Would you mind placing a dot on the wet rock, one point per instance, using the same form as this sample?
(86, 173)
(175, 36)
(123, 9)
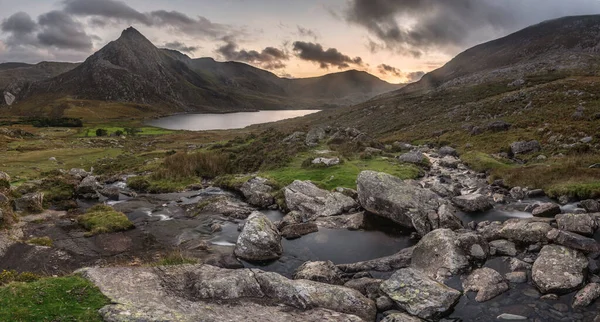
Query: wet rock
(224, 261)
(400, 317)
(112, 193)
(312, 202)
(324, 272)
(516, 264)
(516, 277)
(487, 282)
(293, 217)
(448, 151)
(587, 295)
(385, 264)
(444, 252)
(445, 217)
(350, 222)
(225, 206)
(419, 295)
(402, 202)
(559, 269)
(546, 210)
(412, 157)
(259, 240)
(257, 192)
(503, 247)
(88, 188)
(583, 224)
(473, 203)
(294, 231)
(590, 205)
(31, 202)
(521, 231)
(525, 147)
(328, 162)
(368, 287)
(535, 193)
(517, 193)
(574, 241)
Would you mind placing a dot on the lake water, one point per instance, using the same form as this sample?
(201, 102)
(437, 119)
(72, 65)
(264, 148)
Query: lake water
(204, 122)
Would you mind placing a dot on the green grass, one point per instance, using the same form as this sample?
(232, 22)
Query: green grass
(581, 190)
(41, 241)
(102, 219)
(51, 299)
(482, 162)
(175, 258)
(152, 185)
(343, 175)
(144, 130)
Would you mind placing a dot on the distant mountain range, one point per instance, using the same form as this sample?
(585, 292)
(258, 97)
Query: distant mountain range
(132, 70)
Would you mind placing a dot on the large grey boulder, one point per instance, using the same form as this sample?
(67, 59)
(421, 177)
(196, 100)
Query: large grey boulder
(257, 192)
(546, 210)
(415, 157)
(313, 202)
(259, 240)
(524, 147)
(473, 202)
(487, 282)
(445, 218)
(559, 269)
(315, 135)
(88, 188)
(402, 202)
(575, 241)
(31, 202)
(189, 293)
(324, 272)
(419, 295)
(443, 253)
(448, 151)
(590, 205)
(584, 224)
(586, 295)
(390, 263)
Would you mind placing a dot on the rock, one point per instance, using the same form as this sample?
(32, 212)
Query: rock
(88, 188)
(575, 241)
(499, 198)
(402, 202)
(3, 198)
(384, 303)
(402, 146)
(535, 193)
(112, 193)
(294, 137)
(399, 260)
(448, 151)
(449, 162)
(444, 252)
(400, 317)
(257, 192)
(503, 247)
(510, 317)
(517, 193)
(516, 277)
(294, 231)
(31, 202)
(293, 217)
(473, 203)
(351, 222)
(79, 173)
(525, 147)
(546, 210)
(586, 139)
(587, 295)
(369, 151)
(577, 223)
(564, 199)
(419, 295)
(314, 136)
(368, 287)
(559, 269)
(590, 205)
(312, 202)
(445, 218)
(347, 192)
(521, 231)
(4, 180)
(326, 161)
(498, 126)
(412, 157)
(550, 297)
(259, 240)
(9, 98)
(487, 282)
(188, 293)
(324, 272)
(225, 206)
(516, 264)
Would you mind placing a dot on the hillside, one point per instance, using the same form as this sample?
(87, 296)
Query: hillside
(13, 75)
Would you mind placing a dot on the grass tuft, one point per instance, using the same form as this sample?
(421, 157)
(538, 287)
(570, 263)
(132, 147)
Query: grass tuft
(41, 241)
(101, 219)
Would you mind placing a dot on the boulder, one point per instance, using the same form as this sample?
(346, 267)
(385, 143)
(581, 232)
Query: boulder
(516, 277)
(443, 252)
(584, 224)
(259, 240)
(445, 217)
(368, 287)
(575, 241)
(419, 295)
(351, 222)
(517, 193)
(88, 188)
(4, 179)
(328, 162)
(448, 151)
(402, 202)
(399, 260)
(473, 203)
(503, 247)
(546, 210)
(521, 231)
(498, 126)
(586, 295)
(31, 202)
(449, 162)
(225, 206)
(324, 272)
(487, 282)
(400, 317)
(313, 202)
(516, 264)
(295, 137)
(590, 205)
(314, 136)
(79, 173)
(258, 193)
(412, 157)
(294, 231)
(525, 147)
(559, 269)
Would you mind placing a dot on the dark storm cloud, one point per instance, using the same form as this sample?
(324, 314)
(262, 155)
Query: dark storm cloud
(391, 70)
(325, 58)
(19, 23)
(415, 26)
(120, 11)
(61, 31)
(268, 58)
(181, 47)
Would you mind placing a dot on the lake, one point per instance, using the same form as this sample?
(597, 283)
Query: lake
(204, 122)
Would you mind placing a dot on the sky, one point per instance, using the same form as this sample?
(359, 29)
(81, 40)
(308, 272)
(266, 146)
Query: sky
(396, 40)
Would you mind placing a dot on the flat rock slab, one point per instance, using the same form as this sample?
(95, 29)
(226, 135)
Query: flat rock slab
(384, 264)
(190, 293)
(559, 269)
(313, 202)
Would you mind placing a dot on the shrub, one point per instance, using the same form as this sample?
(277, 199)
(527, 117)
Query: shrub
(202, 164)
(119, 133)
(102, 219)
(101, 132)
(12, 276)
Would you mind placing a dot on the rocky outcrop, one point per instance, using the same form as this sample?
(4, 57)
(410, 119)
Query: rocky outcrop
(259, 240)
(31, 202)
(559, 269)
(324, 272)
(443, 253)
(487, 282)
(257, 192)
(402, 202)
(385, 264)
(313, 202)
(546, 210)
(473, 203)
(419, 295)
(225, 206)
(584, 224)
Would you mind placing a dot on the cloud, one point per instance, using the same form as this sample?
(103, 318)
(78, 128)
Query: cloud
(61, 31)
(390, 70)
(19, 23)
(181, 47)
(418, 26)
(306, 32)
(325, 58)
(268, 58)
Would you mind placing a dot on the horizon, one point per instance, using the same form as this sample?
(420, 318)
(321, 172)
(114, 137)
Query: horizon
(396, 42)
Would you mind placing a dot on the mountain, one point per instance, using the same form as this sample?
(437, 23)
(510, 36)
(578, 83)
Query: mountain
(132, 70)
(13, 75)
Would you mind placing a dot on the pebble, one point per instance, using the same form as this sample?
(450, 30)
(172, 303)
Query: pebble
(550, 297)
(511, 317)
(561, 307)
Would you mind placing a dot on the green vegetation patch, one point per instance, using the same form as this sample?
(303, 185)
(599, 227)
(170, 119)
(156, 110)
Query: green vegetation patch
(41, 241)
(51, 299)
(482, 162)
(175, 258)
(122, 130)
(102, 219)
